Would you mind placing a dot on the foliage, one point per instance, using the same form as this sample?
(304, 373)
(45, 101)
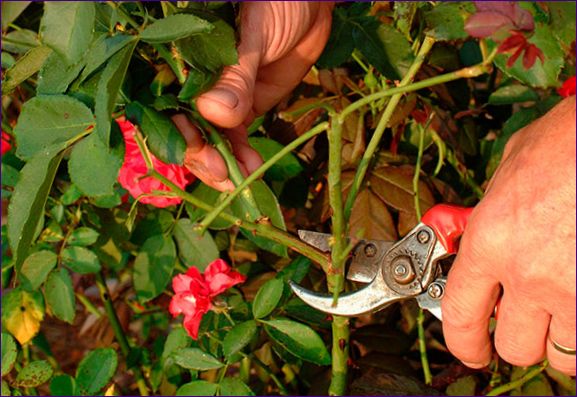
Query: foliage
(87, 264)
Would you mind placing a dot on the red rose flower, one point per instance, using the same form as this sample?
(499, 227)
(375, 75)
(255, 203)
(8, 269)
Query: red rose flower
(6, 145)
(193, 292)
(567, 89)
(131, 175)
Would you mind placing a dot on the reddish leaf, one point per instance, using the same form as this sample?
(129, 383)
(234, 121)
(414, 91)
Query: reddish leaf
(531, 54)
(513, 58)
(513, 41)
(371, 219)
(484, 24)
(394, 185)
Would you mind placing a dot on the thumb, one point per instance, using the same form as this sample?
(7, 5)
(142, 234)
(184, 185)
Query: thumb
(229, 102)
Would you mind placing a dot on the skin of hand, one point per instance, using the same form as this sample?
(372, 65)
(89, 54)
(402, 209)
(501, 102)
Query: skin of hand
(520, 239)
(279, 41)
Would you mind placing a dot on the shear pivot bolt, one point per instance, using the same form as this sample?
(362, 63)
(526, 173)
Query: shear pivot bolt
(435, 291)
(402, 271)
(370, 250)
(423, 237)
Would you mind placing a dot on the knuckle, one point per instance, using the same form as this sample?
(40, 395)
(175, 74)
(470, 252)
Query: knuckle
(515, 353)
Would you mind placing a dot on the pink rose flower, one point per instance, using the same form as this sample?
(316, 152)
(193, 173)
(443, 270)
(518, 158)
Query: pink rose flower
(567, 89)
(193, 292)
(6, 145)
(134, 168)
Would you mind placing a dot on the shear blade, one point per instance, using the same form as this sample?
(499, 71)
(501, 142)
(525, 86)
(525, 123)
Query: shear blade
(363, 268)
(369, 299)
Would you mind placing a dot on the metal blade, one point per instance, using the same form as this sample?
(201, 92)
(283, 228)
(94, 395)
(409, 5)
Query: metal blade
(371, 298)
(318, 240)
(366, 255)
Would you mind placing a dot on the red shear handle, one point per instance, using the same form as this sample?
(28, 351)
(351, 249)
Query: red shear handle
(448, 221)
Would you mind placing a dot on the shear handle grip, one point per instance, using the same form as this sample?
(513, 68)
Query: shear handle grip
(449, 222)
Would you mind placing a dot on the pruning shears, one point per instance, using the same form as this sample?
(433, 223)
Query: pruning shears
(394, 271)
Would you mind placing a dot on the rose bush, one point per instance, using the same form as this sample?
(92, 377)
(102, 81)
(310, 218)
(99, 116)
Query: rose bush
(194, 292)
(133, 173)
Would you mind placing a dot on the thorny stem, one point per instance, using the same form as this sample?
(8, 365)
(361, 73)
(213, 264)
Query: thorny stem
(389, 110)
(210, 217)
(234, 171)
(262, 229)
(119, 332)
(519, 382)
(335, 276)
(175, 64)
(421, 316)
(468, 72)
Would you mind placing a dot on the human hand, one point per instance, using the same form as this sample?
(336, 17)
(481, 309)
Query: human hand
(279, 41)
(521, 236)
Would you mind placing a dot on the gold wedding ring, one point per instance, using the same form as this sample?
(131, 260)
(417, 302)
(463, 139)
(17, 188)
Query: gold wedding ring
(563, 349)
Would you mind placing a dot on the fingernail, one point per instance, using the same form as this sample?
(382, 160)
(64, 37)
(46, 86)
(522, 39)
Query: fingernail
(475, 365)
(225, 97)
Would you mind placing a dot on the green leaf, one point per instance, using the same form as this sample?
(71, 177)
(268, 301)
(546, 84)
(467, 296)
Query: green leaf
(210, 196)
(102, 49)
(59, 294)
(163, 138)
(24, 68)
(267, 298)
(176, 340)
(194, 250)
(269, 207)
(536, 386)
(384, 46)
(11, 10)
(5, 387)
(63, 385)
(298, 339)
(196, 83)
(55, 75)
(26, 207)
(211, 50)
(34, 374)
(9, 353)
(194, 358)
(35, 269)
(71, 194)
(284, 169)
(82, 236)
(447, 20)
(96, 370)
(165, 102)
(153, 267)
(90, 180)
(464, 386)
(175, 27)
(20, 41)
(296, 270)
(238, 337)
(340, 44)
(108, 87)
(512, 94)
(80, 260)
(197, 388)
(67, 28)
(234, 387)
(22, 313)
(563, 21)
(48, 120)
(541, 74)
